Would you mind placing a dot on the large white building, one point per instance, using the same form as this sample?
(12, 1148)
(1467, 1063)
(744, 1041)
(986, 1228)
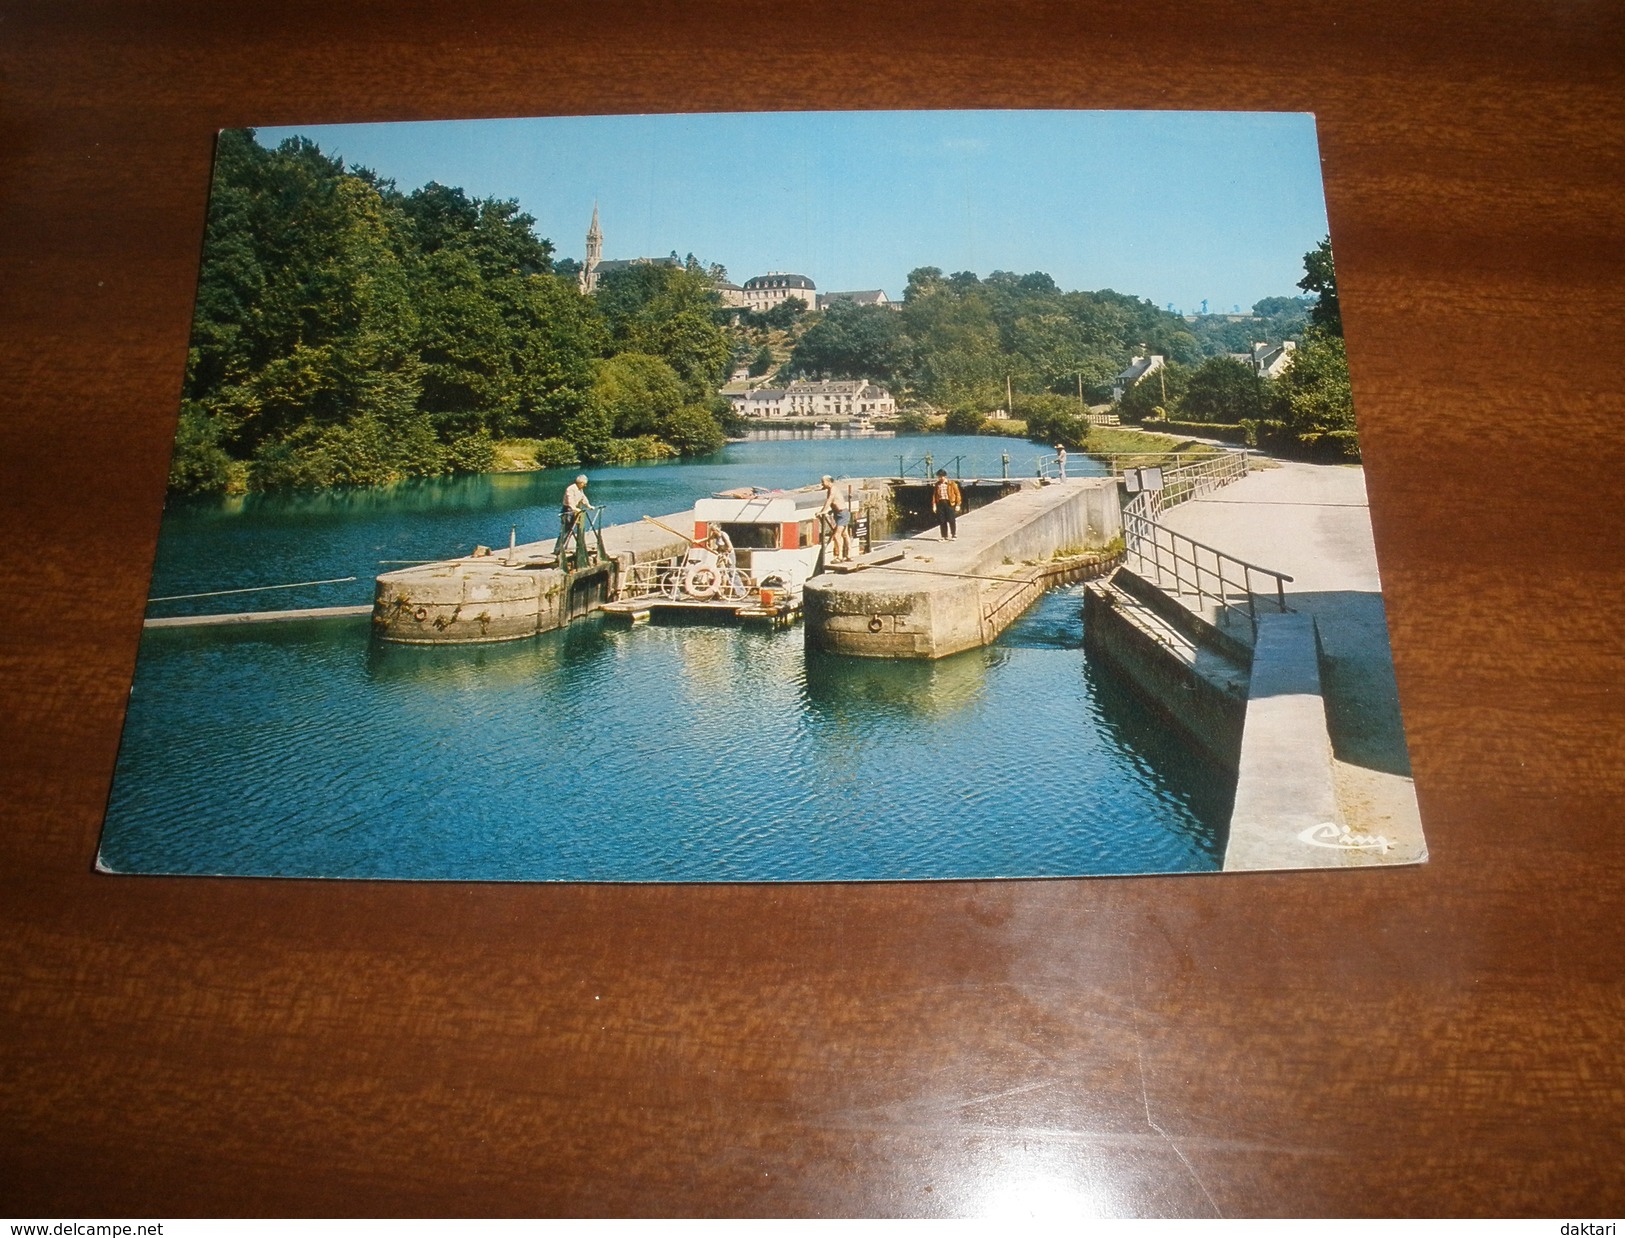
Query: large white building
(848, 398)
(762, 292)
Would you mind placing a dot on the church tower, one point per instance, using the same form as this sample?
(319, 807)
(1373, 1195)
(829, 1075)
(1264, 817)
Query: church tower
(595, 251)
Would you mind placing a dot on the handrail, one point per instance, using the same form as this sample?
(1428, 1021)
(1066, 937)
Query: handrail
(587, 520)
(1214, 454)
(1141, 532)
(925, 469)
(1267, 571)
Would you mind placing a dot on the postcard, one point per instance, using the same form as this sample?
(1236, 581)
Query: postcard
(866, 496)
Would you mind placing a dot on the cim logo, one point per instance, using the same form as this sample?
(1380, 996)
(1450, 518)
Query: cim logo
(1341, 838)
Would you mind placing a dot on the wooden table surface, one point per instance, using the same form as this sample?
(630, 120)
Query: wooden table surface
(1444, 1039)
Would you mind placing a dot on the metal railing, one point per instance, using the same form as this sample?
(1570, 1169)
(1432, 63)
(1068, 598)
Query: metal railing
(1182, 565)
(1192, 473)
(572, 550)
(924, 464)
(687, 579)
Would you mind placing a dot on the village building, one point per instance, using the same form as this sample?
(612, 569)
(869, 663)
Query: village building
(1138, 368)
(846, 398)
(874, 296)
(1271, 360)
(763, 292)
(587, 280)
(595, 266)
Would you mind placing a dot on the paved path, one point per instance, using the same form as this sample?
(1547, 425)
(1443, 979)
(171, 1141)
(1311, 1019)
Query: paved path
(1312, 522)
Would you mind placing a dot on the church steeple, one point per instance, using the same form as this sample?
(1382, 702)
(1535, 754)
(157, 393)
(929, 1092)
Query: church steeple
(595, 252)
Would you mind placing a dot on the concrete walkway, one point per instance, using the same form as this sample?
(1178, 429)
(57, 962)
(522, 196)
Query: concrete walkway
(1312, 522)
(927, 598)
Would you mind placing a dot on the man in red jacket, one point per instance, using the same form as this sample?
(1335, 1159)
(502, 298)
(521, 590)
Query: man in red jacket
(945, 501)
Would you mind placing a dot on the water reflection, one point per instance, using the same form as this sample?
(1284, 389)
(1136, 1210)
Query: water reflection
(1148, 743)
(533, 660)
(842, 690)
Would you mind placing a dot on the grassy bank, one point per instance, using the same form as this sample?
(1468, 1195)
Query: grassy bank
(526, 455)
(1142, 448)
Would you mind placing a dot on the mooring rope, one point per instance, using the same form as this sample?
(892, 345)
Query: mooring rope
(298, 584)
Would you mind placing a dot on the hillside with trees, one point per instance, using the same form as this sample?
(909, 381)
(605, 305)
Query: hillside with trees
(958, 339)
(1307, 411)
(349, 333)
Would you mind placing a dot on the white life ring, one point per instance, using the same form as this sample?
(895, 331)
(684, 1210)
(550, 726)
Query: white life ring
(702, 581)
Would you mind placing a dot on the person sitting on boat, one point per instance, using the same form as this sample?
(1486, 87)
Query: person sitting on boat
(945, 501)
(838, 512)
(575, 502)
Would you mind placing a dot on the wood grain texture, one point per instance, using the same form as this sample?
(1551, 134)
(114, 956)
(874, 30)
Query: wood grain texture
(1443, 1040)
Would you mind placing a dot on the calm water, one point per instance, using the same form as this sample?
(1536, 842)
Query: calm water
(606, 753)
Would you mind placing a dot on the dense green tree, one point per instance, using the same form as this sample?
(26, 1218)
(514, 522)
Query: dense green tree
(464, 345)
(1222, 389)
(1053, 419)
(783, 316)
(692, 430)
(638, 391)
(854, 341)
(1320, 278)
(669, 312)
(556, 335)
(965, 421)
(199, 464)
(1317, 397)
(958, 355)
(347, 333)
(762, 362)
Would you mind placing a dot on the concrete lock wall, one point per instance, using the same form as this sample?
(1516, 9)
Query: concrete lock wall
(939, 599)
(1208, 711)
(510, 595)
(472, 601)
(914, 618)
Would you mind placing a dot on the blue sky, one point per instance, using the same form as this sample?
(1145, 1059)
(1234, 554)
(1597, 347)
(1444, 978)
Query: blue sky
(1171, 206)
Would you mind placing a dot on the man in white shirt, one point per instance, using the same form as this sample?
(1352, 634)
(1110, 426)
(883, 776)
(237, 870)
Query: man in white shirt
(575, 502)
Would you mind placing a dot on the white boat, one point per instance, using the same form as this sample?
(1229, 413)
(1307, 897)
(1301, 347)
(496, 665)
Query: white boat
(750, 555)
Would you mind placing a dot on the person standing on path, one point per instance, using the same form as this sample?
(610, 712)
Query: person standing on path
(839, 513)
(945, 501)
(1060, 459)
